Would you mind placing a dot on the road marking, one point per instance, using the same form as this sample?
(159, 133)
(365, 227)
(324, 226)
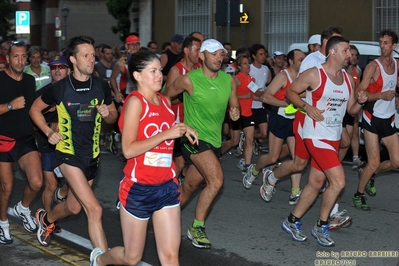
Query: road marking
(56, 249)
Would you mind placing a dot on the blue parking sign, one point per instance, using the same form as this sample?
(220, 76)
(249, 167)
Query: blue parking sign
(22, 22)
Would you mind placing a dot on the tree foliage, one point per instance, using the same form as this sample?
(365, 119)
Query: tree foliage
(7, 11)
(120, 10)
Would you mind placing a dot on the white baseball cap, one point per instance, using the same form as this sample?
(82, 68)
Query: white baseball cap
(278, 53)
(212, 45)
(315, 39)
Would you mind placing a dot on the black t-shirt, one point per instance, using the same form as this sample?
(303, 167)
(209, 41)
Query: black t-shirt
(17, 123)
(78, 120)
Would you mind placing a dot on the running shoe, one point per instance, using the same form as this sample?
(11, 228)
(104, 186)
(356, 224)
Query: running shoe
(274, 166)
(241, 165)
(27, 220)
(359, 202)
(111, 146)
(266, 190)
(5, 237)
(356, 163)
(45, 231)
(339, 220)
(57, 228)
(249, 177)
(360, 169)
(294, 198)
(57, 197)
(323, 188)
(323, 236)
(294, 229)
(370, 188)
(93, 256)
(198, 237)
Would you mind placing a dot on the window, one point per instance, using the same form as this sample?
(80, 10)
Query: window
(385, 16)
(285, 22)
(194, 15)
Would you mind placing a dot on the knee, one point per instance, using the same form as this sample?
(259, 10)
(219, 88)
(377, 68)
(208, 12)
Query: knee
(132, 258)
(338, 184)
(170, 258)
(395, 163)
(35, 183)
(298, 166)
(216, 183)
(6, 189)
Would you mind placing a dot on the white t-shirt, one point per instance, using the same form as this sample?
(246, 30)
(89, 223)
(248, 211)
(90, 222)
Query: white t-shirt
(260, 74)
(312, 60)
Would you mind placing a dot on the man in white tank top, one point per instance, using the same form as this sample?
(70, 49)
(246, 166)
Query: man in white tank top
(328, 96)
(378, 121)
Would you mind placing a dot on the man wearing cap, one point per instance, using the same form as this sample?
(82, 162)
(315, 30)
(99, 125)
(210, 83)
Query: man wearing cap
(207, 86)
(125, 85)
(314, 43)
(278, 63)
(59, 69)
(169, 58)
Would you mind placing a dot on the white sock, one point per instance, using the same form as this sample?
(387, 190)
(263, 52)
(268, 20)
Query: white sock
(4, 223)
(355, 157)
(272, 179)
(22, 208)
(334, 210)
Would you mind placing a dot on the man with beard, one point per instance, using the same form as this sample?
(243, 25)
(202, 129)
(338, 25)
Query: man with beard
(207, 86)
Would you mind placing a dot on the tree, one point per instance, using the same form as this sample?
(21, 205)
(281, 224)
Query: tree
(7, 11)
(120, 10)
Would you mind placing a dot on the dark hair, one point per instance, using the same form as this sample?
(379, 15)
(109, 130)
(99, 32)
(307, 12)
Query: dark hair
(72, 46)
(242, 50)
(255, 48)
(291, 55)
(355, 48)
(164, 45)
(105, 46)
(188, 42)
(74, 42)
(327, 33)
(390, 33)
(333, 42)
(151, 42)
(138, 61)
(16, 44)
(226, 43)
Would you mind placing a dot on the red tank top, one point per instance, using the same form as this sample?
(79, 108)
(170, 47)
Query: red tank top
(245, 104)
(156, 165)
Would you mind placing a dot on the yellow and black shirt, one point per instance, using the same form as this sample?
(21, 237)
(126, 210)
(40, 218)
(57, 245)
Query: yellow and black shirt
(79, 123)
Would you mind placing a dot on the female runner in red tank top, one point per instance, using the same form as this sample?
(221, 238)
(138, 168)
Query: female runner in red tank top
(149, 187)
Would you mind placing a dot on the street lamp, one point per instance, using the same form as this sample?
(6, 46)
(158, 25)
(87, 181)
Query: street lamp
(64, 14)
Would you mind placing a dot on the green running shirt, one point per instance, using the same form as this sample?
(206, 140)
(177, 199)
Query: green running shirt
(205, 109)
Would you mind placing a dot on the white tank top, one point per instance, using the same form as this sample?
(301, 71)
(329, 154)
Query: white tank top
(331, 98)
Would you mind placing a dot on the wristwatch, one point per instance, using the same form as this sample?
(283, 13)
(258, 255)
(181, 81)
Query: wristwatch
(9, 106)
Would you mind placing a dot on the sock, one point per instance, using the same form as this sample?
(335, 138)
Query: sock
(358, 194)
(4, 223)
(45, 220)
(355, 157)
(320, 223)
(197, 223)
(334, 209)
(292, 218)
(59, 195)
(272, 179)
(255, 172)
(294, 191)
(22, 208)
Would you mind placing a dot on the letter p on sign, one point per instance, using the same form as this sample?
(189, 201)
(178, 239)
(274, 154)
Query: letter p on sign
(22, 22)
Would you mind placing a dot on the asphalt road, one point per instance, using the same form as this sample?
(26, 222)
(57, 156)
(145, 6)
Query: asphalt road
(243, 229)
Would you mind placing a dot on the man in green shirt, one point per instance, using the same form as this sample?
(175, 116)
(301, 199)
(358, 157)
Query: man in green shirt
(207, 91)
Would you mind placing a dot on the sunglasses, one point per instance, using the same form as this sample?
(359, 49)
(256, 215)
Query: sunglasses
(55, 67)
